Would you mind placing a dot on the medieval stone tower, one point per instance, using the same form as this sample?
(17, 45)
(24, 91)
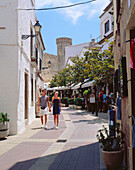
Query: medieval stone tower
(61, 44)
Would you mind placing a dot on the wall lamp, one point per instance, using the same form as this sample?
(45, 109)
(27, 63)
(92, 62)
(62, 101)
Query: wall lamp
(37, 27)
(49, 65)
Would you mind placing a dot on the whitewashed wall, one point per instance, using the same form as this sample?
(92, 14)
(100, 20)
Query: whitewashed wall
(8, 61)
(103, 20)
(14, 60)
(26, 20)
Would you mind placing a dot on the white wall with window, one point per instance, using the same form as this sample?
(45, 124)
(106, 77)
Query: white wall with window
(18, 76)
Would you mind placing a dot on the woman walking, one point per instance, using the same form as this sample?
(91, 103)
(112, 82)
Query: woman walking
(56, 102)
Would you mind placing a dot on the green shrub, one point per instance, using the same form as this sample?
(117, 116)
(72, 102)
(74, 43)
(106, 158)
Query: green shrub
(78, 101)
(4, 117)
(70, 101)
(64, 100)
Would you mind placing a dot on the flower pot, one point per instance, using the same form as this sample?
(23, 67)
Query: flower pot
(79, 107)
(71, 106)
(74, 106)
(63, 105)
(4, 130)
(113, 159)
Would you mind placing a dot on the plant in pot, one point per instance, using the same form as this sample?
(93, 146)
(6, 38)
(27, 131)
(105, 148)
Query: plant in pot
(64, 101)
(70, 102)
(112, 147)
(78, 102)
(4, 125)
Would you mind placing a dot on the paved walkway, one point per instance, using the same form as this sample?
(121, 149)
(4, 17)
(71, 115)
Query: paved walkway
(72, 147)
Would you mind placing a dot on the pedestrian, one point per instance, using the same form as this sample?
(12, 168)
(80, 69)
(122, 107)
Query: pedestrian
(56, 103)
(93, 102)
(43, 101)
(104, 101)
(100, 100)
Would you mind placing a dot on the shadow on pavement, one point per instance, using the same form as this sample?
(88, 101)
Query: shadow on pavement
(94, 121)
(86, 157)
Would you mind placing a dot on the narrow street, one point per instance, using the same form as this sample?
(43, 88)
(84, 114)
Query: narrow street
(72, 146)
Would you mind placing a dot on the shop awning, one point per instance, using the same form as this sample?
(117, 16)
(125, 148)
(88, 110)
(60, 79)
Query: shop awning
(77, 86)
(88, 84)
(59, 88)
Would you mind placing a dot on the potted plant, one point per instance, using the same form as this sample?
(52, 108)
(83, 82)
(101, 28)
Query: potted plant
(112, 147)
(64, 101)
(4, 125)
(78, 102)
(70, 102)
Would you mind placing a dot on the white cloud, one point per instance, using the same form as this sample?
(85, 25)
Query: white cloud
(74, 13)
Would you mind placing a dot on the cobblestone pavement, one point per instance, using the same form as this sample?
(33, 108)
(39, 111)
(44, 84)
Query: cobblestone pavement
(72, 147)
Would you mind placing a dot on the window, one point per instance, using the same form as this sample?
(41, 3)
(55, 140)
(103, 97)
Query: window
(36, 53)
(31, 43)
(106, 26)
(40, 64)
(32, 89)
(118, 9)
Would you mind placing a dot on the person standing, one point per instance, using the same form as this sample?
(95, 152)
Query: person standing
(43, 101)
(56, 102)
(100, 100)
(104, 102)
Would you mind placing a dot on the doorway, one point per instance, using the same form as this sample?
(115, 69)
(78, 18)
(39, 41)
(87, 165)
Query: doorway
(26, 99)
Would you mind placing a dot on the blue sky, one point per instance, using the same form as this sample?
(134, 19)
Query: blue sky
(80, 23)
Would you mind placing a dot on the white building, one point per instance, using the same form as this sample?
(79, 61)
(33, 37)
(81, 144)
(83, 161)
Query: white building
(77, 50)
(20, 61)
(106, 26)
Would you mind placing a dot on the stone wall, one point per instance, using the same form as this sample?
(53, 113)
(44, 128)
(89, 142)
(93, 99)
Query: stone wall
(48, 73)
(61, 44)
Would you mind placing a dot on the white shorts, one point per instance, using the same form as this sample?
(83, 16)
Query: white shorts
(43, 111)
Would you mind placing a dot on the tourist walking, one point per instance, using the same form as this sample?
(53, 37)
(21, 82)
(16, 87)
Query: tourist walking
(104, 102)
(43, 101)
(100, 100)
(56, 102)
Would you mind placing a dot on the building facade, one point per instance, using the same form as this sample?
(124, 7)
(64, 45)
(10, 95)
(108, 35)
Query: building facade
(78, 50)
(106, 26)
(57, 63)
(124, 33)
(48, 72)
(20, 62)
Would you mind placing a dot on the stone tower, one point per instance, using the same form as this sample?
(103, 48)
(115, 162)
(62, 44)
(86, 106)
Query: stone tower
(61, 44)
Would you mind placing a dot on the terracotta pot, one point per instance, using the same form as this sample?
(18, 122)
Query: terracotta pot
(4, 129)
(113, 159)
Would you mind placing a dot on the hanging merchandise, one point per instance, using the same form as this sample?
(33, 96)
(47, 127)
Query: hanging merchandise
(133, 129)
(118, 104)
(132, 53)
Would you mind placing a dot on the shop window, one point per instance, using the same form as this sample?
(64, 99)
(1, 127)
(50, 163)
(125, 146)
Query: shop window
(106, 26)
